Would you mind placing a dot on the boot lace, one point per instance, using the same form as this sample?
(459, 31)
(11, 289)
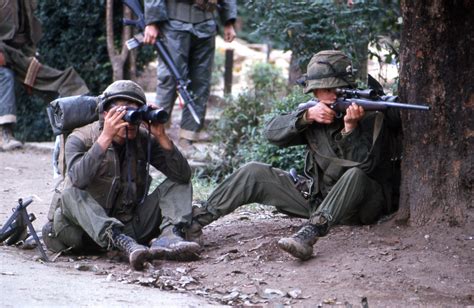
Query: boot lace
(308, 231)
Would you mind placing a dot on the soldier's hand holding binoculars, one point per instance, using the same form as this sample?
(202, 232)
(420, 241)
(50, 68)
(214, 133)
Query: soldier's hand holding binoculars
(157, 129)
(112, 124)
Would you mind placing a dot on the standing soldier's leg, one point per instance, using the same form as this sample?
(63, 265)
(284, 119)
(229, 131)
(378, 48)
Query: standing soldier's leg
(7, 110)
(355, 198)
(254, 182)
(178, 43)
(200, 72)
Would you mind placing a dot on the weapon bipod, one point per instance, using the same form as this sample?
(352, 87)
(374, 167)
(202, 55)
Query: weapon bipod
(8, 228)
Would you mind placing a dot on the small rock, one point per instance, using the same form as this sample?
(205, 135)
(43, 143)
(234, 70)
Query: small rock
(271, 293)
(181, 270)
(330, 301)
(231, 296)
(295, 293)
(85, 267)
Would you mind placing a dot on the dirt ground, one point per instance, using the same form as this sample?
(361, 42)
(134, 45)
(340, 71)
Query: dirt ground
(370, 266)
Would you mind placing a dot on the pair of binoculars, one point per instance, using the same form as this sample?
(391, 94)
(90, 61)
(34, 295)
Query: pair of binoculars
(145, 113)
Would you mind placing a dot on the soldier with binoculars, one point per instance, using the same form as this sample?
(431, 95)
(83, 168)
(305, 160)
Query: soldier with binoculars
(106, 202)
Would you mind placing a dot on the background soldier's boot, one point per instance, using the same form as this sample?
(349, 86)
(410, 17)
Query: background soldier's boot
(137, 254)
(7, 141)
(300, 245)
(201, 218)
(171, 245)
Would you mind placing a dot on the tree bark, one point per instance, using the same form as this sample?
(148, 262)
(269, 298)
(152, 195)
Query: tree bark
(437, 68)
(294, 72)
(117, 58)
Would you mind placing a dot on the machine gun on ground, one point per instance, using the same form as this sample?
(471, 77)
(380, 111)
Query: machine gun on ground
(14, 228)
(164, 54)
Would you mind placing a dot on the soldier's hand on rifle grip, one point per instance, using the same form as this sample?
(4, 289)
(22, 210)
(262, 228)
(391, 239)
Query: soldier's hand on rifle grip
(353, 115)
(150, 34)
(321, 113)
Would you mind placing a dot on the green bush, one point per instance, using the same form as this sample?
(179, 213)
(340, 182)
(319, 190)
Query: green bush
(306, 27)
(73, 35)
(257, 147)
(267, 80)
(239, 131)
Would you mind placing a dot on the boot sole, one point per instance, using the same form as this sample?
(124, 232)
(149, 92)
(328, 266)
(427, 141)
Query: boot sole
(294, 249)
(183, 251)
(138, 258)
(159, 253)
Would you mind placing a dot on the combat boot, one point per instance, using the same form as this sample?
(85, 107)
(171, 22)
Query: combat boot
(137, 254)
(170, 245)
(7, 141)
(300, 245)
(201, 218)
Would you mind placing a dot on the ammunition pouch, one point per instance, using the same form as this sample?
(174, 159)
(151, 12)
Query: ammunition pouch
(32, 72)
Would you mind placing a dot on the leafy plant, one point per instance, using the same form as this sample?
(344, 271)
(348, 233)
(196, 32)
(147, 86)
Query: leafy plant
(73, 35)
(240, 129)
(306, 27)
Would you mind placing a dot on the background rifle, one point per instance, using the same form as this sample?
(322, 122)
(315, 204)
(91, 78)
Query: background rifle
(367, 99)
(15, 226)
(164, 54)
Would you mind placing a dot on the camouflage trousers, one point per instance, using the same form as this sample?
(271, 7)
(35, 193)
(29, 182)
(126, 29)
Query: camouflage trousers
(354, 199)
(80, 220)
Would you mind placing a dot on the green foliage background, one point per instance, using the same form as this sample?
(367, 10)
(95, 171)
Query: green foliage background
(306, 27)
(239, 132)
(73, 35)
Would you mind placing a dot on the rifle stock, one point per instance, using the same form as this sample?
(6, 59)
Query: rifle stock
(164, 54)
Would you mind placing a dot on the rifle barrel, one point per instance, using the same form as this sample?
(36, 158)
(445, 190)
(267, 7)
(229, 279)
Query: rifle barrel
(375, 105)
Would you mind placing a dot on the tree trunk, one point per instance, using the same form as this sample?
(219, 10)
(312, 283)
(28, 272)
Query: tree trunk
(294, 72)
(117, 58)
(437, 68)
(132, 65)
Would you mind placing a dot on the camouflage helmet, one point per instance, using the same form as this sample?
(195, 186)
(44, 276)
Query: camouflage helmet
(328, 69)
(125, 89)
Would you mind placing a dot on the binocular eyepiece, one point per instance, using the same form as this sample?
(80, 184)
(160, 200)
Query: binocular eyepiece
(145, 113)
